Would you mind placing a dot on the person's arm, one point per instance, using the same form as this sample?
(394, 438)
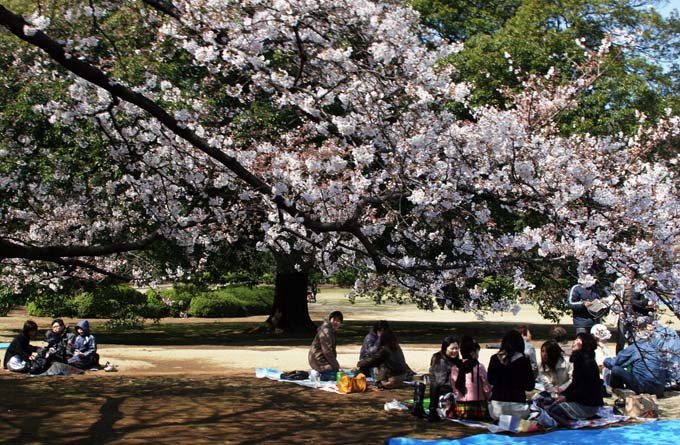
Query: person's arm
(327, 348)
(373, 360)
(494, 371)
(90, 346)
(575, 299)
(544, 380)
(627, 356)
(484, 380)
(527, 373)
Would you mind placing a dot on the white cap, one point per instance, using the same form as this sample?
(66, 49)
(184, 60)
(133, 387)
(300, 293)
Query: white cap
(601, 332)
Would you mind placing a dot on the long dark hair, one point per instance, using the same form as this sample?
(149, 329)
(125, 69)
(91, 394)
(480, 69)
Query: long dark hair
(588, 344)
(512, 342)
(446, 343)
(388, 338)
(553, 353)
(29, 326)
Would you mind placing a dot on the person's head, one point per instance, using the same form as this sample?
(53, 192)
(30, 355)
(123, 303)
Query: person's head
(601, 333)
(83, 327)
(512, 342)
(335, 318)
(469, 348)
(585, 342)
(559, 334)
(450, 347)
(550, 354)
(380, 326)
(588, 281)
(57, 326)
(524, 330)
(30, 329)
(388, 338)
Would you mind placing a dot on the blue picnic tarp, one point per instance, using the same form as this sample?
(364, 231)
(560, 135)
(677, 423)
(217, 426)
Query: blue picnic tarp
(4, 345)
(650, 433)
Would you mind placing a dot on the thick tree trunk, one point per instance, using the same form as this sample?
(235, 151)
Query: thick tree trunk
(290, 312)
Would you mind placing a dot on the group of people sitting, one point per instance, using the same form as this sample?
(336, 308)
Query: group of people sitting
(568, 381)
(77, 349)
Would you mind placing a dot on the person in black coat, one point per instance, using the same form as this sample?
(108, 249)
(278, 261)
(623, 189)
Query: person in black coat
(20, 351)
(440, 372)
(59, 341)
(583, 397)
(510, 376)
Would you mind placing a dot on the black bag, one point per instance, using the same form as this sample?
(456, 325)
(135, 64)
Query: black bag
(295, 375)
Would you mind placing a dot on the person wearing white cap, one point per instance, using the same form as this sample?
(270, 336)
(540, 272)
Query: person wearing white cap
(602, 334)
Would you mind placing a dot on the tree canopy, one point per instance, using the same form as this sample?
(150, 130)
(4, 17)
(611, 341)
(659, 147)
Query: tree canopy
(328, 128)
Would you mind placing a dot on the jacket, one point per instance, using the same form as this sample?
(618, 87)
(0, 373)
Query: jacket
(647, 366)
(370, 345)
(586, 385)
(390, 360)
(476, 384)
(85, 345)
(21, 346)
(61, 343)
(322, 355)
(557, 379)
(440, 369)
(577, 296)
(510, 379)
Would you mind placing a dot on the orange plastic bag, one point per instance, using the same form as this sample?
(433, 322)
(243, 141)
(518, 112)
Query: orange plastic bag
(349, 384)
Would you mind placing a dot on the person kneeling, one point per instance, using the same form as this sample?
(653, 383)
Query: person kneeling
(392, 368)
(583, 397)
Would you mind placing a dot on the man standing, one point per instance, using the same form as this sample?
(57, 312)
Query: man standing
(322, 356)
(581, 298)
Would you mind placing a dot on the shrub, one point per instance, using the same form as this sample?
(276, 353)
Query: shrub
(344, 278)
(175, 300)
(109, 302)
(6, 300)
(233, 302)
(47, 303)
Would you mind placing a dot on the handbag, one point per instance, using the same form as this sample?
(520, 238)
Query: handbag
(349, 384)
(642, 405)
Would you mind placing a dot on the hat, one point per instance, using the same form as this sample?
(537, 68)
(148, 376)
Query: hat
(601, 332)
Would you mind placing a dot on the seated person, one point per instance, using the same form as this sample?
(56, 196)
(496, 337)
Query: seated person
(371, 344)
(555, 370)
(583, 397)
(602, 334)
(392, 368)
(510, 376)
(529, 349)
(470, 383)
(440, 372)
(84, 348)
(646, 374)
(59, 341)
(559, 334)
(322, 356)
(20, 352)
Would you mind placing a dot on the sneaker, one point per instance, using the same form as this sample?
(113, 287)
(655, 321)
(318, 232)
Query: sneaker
(109, 367)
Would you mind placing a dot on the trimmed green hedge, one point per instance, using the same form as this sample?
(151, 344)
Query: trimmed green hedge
(109, 302)
(238, 301)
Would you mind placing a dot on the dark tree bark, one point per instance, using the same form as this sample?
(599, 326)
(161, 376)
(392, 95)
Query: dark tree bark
(289, 311)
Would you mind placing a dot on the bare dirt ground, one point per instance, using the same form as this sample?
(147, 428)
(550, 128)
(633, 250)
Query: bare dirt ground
(204, 390)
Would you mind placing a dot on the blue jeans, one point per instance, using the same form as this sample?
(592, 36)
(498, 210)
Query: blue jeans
(620, 377)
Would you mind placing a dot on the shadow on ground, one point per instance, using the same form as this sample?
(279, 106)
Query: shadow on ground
(88, 409)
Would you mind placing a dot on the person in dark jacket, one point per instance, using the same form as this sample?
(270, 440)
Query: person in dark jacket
(646, 374)
(84, 348)
(392, 368)
(581, 298)
(440, 372)
(59, 341)
(322, 355)
(20, 352)
(510, 376)
(583, 397)
(371, 344)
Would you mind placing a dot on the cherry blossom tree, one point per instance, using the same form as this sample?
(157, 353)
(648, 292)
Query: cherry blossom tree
(326, 127)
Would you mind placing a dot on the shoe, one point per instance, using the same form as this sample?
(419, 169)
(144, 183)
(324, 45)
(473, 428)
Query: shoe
(623, 393)
(109, 367)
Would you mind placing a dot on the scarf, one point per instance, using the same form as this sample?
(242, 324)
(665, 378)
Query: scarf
(465, 367)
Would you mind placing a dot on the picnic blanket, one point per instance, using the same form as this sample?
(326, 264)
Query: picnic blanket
(606, 416)
(651, 433)
(4, 345)
(58, 368)
(275, 374)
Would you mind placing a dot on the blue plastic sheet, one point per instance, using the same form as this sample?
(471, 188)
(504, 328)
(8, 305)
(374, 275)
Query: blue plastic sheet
(652, 433)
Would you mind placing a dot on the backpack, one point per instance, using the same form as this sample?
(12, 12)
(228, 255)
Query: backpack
(349, 384)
